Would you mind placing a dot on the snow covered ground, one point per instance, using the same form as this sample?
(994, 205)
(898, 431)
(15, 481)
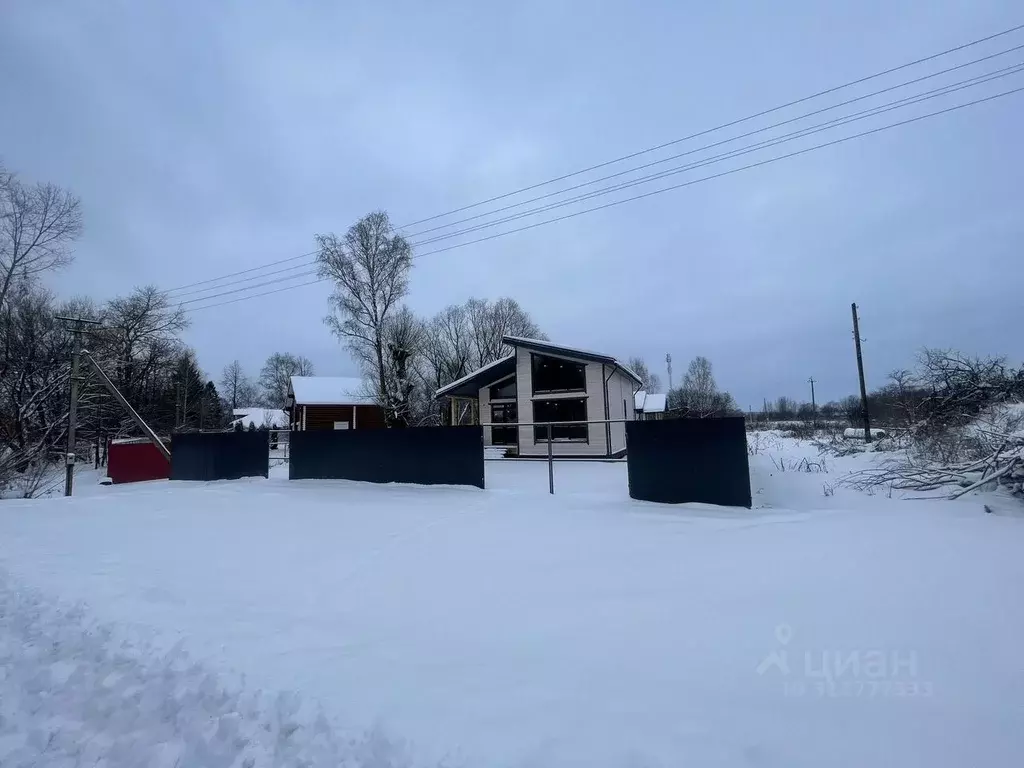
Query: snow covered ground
(264, 622)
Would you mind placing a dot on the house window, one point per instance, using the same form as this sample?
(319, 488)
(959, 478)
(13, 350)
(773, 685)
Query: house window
(560, 410)
(505, 390)
(503, 413)
(553, 374)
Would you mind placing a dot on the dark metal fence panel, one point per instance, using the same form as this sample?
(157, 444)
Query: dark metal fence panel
(682, 460)
(424, 455)
(219, 455)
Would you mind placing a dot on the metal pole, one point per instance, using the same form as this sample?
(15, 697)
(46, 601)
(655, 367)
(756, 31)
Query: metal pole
(551, 465)
(860, 373)
(127, 406)
(814, 406)
(69, 468)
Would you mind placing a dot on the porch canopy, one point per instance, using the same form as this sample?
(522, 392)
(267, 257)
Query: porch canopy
(469, 386)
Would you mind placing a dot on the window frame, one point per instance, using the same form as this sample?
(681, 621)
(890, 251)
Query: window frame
(505, 427)
(536, 356)
(540, 429)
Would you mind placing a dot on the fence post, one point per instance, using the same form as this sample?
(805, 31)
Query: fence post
(551, 465)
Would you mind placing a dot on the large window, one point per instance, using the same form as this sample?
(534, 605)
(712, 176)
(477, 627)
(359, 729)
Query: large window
(503, 413)
(560, 410)
(504, 390)
(552, 374)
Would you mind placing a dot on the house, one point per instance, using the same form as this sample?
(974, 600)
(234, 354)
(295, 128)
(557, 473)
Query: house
(649, 405)
(258, 418)
(332, 402)
(545, 382)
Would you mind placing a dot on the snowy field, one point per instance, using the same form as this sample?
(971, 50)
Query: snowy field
(264, 622)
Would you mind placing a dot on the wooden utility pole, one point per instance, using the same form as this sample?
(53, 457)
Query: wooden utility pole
(814, 405)
(860, 373)
(77, 330)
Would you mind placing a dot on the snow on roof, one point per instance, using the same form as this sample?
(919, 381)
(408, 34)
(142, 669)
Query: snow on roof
(330, 390)
(455, 384)
(655, 403)
(650, 402)
(260, 417)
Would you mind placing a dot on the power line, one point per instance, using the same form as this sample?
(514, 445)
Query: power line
(248, 287)
(725, 173)
(757, 146)
(241, 272)
(651, 193)
(650, 149)
(802, 133)
(719, 143)
(723, 125)
(256, 295)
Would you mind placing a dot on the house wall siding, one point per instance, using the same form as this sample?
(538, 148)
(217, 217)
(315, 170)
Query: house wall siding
(597, 445)
(324, 416)
(620, 389)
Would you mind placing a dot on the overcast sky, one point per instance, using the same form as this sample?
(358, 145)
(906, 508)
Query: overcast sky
(208, 137)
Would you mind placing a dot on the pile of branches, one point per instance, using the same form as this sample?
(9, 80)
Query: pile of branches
(967, 430)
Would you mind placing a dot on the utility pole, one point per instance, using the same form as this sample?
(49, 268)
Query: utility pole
(668, 362)
(77, 330)
(860, 373)
(814, 405)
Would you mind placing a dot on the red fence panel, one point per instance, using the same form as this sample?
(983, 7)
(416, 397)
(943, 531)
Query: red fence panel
(136, 461)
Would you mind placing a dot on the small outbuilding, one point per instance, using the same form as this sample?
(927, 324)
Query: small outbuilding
(650, 405)
(332, 402)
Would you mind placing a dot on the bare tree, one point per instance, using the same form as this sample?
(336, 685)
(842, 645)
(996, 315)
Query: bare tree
(38, 223)
(652, 382)
(699, 387)
(699, 397)
(370, 269)
(276, 376)
(490, 323)
(141, 340)
(237, 388)
(403, 334)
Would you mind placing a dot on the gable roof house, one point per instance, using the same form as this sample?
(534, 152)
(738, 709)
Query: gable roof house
(545, 382)
(650, 405)
(332, 402)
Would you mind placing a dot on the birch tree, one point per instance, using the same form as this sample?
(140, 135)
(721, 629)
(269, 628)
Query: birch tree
(369, 267)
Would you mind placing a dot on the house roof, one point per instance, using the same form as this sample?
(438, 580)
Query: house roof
(638, 400)
(469, 385)
(260, 417)
(330, 390)
(539, 345)
(653, 402)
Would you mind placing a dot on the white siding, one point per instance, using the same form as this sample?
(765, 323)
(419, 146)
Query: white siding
(596, 446)
(485, 412)
(620, 402)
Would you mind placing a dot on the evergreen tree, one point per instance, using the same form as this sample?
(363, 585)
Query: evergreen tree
(212, 413)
